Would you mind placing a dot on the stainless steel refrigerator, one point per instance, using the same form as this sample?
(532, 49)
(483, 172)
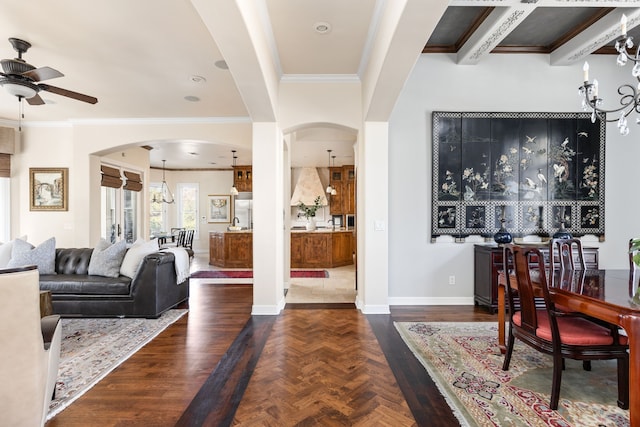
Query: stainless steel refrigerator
(243, 210)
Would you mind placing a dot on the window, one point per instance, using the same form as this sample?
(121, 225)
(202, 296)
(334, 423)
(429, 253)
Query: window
(120, 218)
(187, 200)
(5, 209)
(157, 210)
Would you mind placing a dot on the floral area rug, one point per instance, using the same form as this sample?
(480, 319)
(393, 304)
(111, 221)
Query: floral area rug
(464, 361)
(91, 348)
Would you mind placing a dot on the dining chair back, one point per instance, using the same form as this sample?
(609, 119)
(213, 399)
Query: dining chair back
(570, 254)
(182, 235)
(634, 253)
(30, 350)
(555, 332)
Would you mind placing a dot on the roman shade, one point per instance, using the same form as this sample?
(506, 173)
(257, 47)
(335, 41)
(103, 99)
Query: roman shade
(110, 177)
(134, 181)
(5, 165)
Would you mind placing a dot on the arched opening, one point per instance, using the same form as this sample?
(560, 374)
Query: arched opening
(327, 249)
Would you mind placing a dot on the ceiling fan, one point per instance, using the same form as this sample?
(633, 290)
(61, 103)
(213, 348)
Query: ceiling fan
(21, 79)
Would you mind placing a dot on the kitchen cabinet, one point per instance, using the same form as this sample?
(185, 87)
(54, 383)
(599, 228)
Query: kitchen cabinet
(343, 179)
(231, 249)
(335, 180)
(487, 262)
(321, 249)
(242, 178)
(349, 187)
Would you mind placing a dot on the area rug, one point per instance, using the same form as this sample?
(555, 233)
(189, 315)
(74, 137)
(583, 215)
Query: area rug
(465, 363)
(247, 274)
(91, 348)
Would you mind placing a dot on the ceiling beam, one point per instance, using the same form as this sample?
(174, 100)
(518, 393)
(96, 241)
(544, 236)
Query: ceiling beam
(500, 22)
(601, 33)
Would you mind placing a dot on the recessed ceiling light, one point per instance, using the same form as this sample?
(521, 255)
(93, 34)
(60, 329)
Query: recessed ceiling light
(322, 27)
(197, 79)
(222, 64)
(193, 154)
(192, 98)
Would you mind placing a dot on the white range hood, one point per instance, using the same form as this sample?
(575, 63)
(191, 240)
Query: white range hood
(308, 188)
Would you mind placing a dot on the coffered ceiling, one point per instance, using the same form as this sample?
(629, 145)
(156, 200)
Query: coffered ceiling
(158, 59)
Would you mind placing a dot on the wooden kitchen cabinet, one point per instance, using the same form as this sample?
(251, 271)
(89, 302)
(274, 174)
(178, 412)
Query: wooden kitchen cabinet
(335, 180)
(242, 178)
(349, 188)
(487, 262)
(343, 179)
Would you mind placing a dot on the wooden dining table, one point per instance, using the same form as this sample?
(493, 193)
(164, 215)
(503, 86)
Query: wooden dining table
(609, 295)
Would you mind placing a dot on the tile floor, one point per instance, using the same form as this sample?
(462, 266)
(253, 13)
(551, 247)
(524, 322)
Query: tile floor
(339, 287)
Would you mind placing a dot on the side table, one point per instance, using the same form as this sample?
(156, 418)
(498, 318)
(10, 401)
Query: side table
(46, 306)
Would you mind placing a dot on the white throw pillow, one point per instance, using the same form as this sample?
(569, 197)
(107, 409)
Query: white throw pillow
(134, 256)
(43, 256)
(106, 258)
(5, 251)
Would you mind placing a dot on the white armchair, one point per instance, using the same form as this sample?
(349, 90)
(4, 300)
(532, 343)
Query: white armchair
(30, 350)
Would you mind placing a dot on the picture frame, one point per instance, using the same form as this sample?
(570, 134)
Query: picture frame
(219, 208)
(49, 189)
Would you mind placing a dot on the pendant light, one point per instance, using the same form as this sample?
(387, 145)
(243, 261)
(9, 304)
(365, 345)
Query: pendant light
(234, 190)
(165, 192)
(333, 190)
(329, 189)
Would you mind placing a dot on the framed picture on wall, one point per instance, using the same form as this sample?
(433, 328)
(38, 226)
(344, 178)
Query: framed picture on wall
(48, 189)
(219, 208)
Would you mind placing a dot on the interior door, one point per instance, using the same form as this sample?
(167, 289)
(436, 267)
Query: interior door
(120, 215)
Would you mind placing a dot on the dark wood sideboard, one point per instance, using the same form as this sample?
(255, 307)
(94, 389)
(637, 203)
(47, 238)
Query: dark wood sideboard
(487, 261)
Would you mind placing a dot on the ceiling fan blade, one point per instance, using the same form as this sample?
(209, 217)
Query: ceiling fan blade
(42, 73)
(68, 93)
(35, 100)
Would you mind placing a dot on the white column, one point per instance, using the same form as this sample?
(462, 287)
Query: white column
(372, 219)
(268, 219)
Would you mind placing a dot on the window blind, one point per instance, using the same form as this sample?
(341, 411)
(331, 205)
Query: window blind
(5, 165)
(110, 177)
(134, 181)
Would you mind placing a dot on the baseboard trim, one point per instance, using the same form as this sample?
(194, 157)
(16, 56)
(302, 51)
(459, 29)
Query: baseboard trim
(431, 301)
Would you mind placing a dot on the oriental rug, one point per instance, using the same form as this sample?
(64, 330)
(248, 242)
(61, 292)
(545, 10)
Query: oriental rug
(247, 274)
(93, 347)
(465, 363)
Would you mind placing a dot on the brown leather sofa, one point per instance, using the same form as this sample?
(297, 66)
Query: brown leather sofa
(75, 293)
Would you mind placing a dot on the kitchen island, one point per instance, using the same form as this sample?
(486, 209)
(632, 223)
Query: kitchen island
(231, 249)
(322, 248)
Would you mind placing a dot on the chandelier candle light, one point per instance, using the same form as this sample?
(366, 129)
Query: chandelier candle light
(629, 95)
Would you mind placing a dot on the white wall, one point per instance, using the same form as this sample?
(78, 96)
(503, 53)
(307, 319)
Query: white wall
(419, 270)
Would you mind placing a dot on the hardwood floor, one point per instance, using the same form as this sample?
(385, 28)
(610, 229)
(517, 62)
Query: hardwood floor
(311, 365)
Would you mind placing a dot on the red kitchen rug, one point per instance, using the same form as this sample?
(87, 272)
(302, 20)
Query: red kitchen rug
(246, 274)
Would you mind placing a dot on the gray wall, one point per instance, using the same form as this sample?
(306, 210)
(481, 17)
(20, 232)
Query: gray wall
(419, 270)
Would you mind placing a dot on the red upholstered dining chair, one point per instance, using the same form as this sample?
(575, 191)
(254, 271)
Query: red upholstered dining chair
(554, 332)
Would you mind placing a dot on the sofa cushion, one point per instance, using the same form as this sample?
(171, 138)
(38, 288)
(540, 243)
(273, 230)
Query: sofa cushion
(107, 258)
(84, 284)
(43, 256)
(73, 260)
(134, 256)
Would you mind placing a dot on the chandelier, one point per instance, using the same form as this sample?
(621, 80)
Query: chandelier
(629, 95)
(165, 193)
